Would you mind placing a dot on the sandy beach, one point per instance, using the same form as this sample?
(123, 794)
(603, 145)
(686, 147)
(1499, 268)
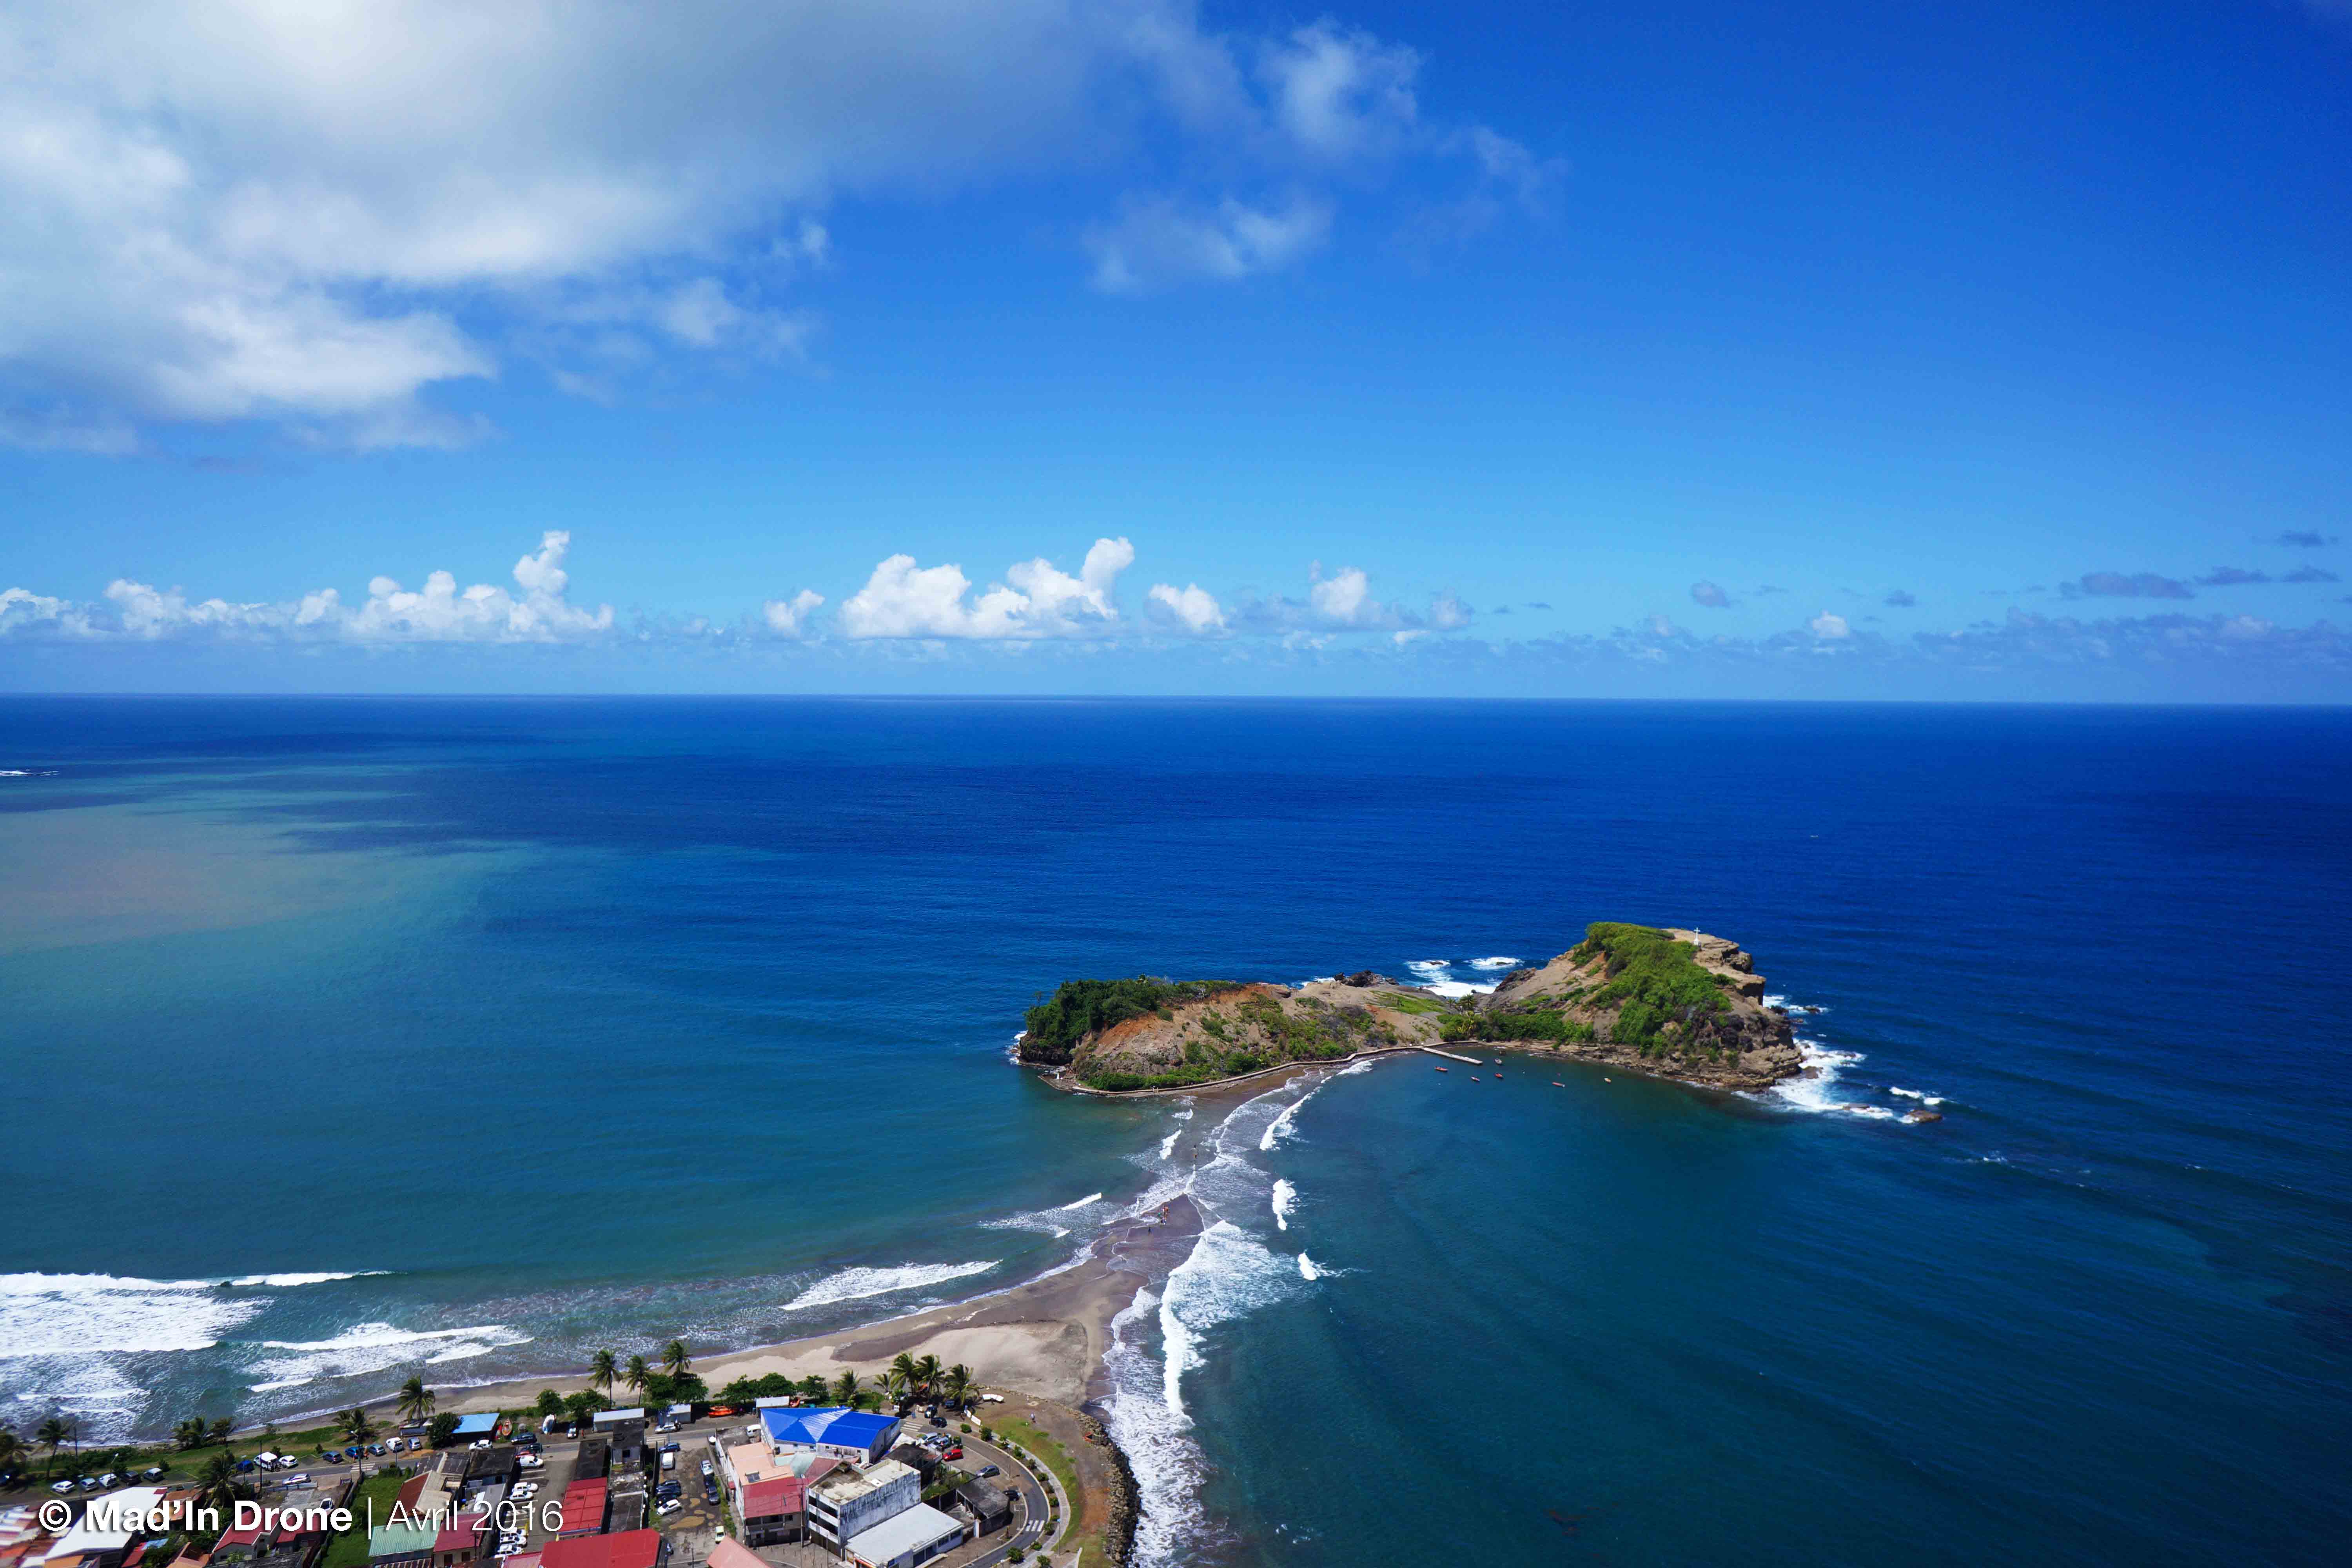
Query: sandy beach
(1044, 1338)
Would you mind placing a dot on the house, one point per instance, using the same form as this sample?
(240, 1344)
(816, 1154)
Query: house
(991, 1509)
(274, 1546)
(464, 1542)
(94, 1541)
(733, 1555)
(624, 1549)
(593, 1460)
(627, 1437)
(775, 1510)
(584, 1509)
(860, 1437)
(917, 1458)
(495, 1467)
(481, 1424)
(403, 1545)
(625, 1501)
(848, 1502)
(911, 1536)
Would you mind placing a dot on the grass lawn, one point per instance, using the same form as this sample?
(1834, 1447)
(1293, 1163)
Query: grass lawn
(350, 1550)
(1055, 1458)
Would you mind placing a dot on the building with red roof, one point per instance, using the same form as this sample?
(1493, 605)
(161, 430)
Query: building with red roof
(584, 1509)
(622, 1548)
(775, 1510)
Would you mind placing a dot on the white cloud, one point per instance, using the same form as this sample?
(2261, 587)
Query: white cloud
(789, 617)
(904, 600)
(314, 212)
(1156, 242)
(1344, 597)
(1830, 627)
(1447, 613)
(1192, 607)
(1707, 594)
(1341, 94)
(538, 611)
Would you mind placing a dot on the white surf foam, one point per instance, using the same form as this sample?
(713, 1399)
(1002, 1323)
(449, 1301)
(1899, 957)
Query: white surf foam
(1454, 990)
(1166, 1464)
(1229, 1273)
(367, 1348)
(1429, 966)
(1307, 1270)
(1285, 1203)
(291, 1282)
(1285, 1127)
(1813, 1089)
(1081, 1203)
(1923, 1098)
(1496, 963)
(857, 1284)
(70, 1314)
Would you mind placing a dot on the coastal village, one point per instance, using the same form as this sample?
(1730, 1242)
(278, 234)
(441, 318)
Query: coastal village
(912, 1470)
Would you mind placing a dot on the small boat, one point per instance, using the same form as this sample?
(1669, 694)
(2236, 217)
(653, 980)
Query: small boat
(1557, 1084)
(1474, 1077)
(1440, 1069)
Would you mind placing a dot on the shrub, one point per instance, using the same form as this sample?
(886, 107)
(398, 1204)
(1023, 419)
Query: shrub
(1081, 1008)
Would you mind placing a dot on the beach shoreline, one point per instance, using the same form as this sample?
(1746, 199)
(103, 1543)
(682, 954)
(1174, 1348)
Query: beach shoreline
(1044, 1337)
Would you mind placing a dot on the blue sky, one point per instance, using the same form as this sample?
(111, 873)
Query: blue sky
(1984, 350)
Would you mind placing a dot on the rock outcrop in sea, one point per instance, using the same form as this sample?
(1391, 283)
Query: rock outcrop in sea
(1673, 1004)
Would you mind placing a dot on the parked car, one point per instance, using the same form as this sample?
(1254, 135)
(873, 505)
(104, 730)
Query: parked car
(988, 1470)
(293, 1481)
(572, 1430)
(61, 1488)
(954, 1453)
(938, 1419)
(706, 1466)
(152, 1473)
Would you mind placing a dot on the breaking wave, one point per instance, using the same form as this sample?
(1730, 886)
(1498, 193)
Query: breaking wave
(857, 1284)
(1285, 1203)
(81, 1314)
(1496, 963)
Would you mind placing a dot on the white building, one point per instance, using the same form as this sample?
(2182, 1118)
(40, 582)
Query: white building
(917, 1535)
(847, 1503)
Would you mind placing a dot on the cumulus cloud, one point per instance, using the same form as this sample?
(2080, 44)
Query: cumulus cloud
(1156, 242)
(1901, 599)
(317, 214)
(2302, 539)
(2230, 577)
(1830, 627)
(1705, 593)
(789, 617)
(904, 600)
(538, 610)
(1447, 613)
(2309, 574)
(2120, 585)
(1192, 607)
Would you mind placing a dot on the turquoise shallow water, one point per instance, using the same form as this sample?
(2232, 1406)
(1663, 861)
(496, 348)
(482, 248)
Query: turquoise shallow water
(565, 1024)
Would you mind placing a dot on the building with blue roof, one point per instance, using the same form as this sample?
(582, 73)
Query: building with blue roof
(860, 1437)
(480, 1425)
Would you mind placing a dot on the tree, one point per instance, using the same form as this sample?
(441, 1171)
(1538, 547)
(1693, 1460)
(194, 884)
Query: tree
(903, 1373)
(217, 1485)
(189, 1434)
(638, 1372)
(956, 1383)
(601, 1369)
(357, 1427)
(845, 1390)
(549, 1403)
(218, 1432)
(814, 1388)
(441, 1430)
(415, 1401)
(895, 1384)
(674, 1358)
(53, 1434)
(585, 1404)
(926, 1376)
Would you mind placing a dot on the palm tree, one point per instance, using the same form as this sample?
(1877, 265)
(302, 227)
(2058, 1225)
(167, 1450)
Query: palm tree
(357, 1427)
(638, 1372)
(216, 1487)
(845, 1390)
(904, 1372)
(219, 1431)
(189, 1434)
(54, 1434)
(12, 1448)
(417, 1400)
(603, 1369)
(895, 1384)
(674, 1360)
(927, 1374)
(956, 1383)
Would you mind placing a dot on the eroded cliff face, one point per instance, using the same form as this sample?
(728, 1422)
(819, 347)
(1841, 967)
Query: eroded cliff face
(1734, 1041)
(1673, 1003)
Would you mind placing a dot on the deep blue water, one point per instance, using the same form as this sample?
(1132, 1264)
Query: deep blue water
(591, 1022)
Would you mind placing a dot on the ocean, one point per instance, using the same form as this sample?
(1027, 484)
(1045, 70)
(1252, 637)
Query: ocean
(352, 1038)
